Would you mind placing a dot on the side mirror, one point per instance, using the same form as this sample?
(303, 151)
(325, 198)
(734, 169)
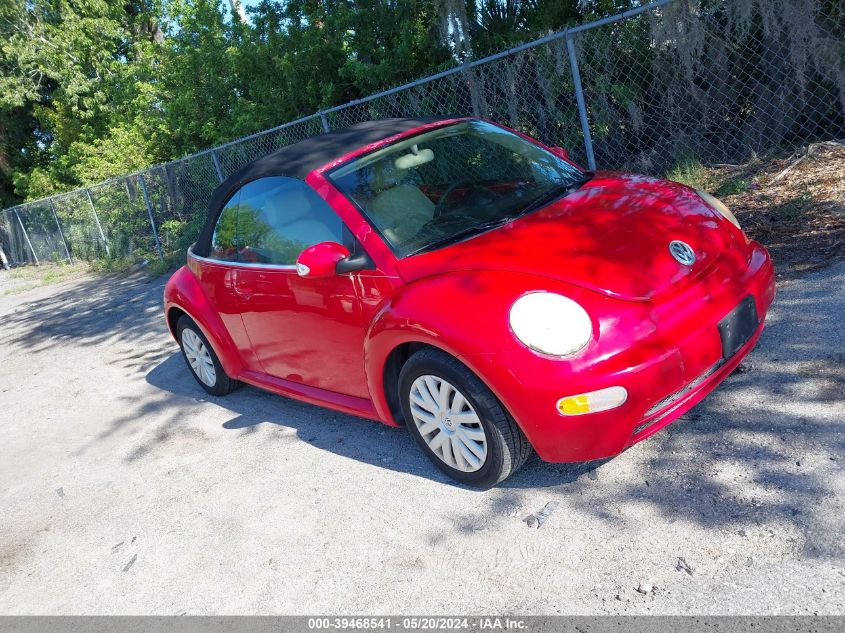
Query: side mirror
(320, 260)
(559, 151)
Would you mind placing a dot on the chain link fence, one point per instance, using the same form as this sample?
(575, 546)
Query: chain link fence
(671, 81)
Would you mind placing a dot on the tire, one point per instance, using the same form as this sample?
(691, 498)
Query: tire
(194, 344)
(505, 448)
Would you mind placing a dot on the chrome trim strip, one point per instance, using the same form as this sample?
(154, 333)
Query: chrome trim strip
(240, 264)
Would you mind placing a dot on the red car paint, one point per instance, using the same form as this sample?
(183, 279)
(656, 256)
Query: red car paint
(327, 340)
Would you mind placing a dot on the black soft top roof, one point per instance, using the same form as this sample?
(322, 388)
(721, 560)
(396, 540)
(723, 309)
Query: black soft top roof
(300, 159)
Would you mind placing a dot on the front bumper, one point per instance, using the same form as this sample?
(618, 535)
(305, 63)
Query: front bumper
(667, 354)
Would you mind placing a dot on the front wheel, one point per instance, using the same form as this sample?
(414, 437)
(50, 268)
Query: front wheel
(458, 422)
(201, 359)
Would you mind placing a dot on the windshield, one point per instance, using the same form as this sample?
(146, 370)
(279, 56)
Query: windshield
(452, 183)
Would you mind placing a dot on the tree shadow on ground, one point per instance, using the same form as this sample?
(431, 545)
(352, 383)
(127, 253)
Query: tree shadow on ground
(765, 447)
(89, 311)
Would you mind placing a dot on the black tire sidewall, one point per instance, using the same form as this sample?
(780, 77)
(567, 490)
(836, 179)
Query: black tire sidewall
(451, 370)
(221, 379)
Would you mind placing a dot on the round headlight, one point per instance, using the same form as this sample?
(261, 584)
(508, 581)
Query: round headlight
(550, 323)
(717, 205)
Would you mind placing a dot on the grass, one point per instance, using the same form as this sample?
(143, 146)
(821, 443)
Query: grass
(731, 187)
(30, 277)
(49, 273)
(109, 265)
(153, 266)
(170, 263)
(19, 289)
(690, 172)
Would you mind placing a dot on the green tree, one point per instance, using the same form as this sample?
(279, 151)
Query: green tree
(95, 88)
(82, 72)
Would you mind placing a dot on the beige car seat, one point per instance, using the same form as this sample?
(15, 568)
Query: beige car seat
(401, 209)
(292, 215)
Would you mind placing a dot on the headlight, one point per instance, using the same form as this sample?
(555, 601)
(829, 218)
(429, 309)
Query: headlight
(550, 323)
(717, 205)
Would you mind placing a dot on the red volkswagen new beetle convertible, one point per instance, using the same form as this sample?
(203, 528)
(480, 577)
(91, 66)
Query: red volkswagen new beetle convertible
(470, 283)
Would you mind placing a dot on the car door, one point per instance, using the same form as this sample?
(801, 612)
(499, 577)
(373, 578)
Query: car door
(217, 274)
(302, 329)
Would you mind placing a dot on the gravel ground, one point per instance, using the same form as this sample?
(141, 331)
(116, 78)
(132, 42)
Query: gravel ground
(124, 489)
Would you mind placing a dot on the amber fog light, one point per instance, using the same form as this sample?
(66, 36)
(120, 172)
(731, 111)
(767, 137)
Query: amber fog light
(592, 402)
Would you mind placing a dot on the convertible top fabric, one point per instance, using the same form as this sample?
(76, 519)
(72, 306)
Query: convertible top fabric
(299, 160)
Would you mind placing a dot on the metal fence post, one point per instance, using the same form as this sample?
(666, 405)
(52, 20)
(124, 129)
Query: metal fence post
(473, 94)
(582, 106)
(97, 220)
(216, 162)
(61, 233)
(3, 259)
(325, 121)
(150, 213)
(26, 236)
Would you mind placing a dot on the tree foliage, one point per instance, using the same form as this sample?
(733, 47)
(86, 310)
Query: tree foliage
(95, 88)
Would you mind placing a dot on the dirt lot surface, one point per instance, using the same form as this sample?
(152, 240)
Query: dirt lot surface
(793, 205)
(124, 489)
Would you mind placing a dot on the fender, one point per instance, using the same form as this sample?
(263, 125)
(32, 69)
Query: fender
(184, 291)
(418, 313)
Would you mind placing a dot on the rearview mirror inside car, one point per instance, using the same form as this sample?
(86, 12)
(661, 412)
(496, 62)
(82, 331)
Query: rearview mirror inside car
(414, 159)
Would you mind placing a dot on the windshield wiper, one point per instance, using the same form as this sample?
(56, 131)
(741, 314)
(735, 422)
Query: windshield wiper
(556, 192)
(469, 231)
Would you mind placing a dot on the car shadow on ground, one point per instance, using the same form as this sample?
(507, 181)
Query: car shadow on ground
(349, 436)
(346, 435)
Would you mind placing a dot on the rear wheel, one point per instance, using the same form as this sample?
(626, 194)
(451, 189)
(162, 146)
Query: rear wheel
(458, 422)
(201, 359)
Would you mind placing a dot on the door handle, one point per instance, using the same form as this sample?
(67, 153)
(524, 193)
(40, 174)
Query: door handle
(243, 291)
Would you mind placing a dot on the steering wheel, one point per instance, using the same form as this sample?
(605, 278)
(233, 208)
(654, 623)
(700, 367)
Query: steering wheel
(438, 208)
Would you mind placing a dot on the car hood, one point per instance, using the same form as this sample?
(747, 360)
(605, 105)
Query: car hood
(612, 235)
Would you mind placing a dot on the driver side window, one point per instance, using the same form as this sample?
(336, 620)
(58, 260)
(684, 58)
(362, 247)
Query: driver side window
(271, 221)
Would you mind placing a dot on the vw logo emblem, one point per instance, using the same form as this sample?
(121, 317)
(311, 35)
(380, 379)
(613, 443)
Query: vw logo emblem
(682, 252)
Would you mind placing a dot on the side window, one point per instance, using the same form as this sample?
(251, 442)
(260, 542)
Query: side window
(224, 242)
(278, 218)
